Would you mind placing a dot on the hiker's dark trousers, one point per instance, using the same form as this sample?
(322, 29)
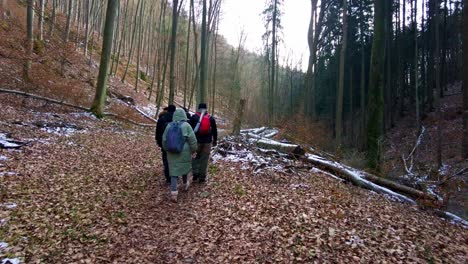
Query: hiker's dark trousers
(166, 166)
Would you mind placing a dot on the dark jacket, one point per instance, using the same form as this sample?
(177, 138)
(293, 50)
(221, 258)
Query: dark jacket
(210, 137)
(161, 125)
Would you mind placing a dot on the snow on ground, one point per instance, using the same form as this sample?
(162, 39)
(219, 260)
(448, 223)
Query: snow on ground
(6, 143)
(3, 158)
(9, 205)
(11, 261)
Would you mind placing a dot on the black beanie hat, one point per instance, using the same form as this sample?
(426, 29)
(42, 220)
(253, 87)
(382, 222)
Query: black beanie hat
(171, 108)
(202, 106)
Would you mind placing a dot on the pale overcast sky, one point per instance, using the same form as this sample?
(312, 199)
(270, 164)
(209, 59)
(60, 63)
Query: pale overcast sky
(246, 14)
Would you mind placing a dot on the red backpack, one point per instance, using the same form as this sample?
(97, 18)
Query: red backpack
(205, 125)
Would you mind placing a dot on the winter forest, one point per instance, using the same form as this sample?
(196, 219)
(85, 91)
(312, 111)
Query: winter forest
(356, 151)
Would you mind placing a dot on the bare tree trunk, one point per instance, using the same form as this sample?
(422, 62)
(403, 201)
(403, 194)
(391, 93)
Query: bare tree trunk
(173, 42)
(100, 98)
(40, 24)
(69, 15)
(376, 96)
(238, 118)
(87, 11)
(202, 95)
(340, 92)
(465, 81)
(29, 40)
(416, 65)
(186, 84)
(438, 84)
(130, 55)
(140, 37)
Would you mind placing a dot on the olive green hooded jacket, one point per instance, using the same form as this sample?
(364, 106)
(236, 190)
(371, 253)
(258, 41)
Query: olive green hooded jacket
(181, 163)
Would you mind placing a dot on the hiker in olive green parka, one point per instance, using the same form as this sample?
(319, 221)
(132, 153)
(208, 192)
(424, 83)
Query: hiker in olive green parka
(180, 164)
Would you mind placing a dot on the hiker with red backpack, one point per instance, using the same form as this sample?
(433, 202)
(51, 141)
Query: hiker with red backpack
(204, 126)
(179, 142)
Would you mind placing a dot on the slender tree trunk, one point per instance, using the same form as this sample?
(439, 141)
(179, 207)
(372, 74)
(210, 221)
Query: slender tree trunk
(465, 80)
(40, 24)
(135, 29)
(175, 16)
(140, 37)
(271, 110)
(376, 96)
(416, 66)
(29, 40)
(437, 80)
(100, 98)
(202, 95)
(340, 92)
(54, 17)
(69, 16)
(122, 38)
(362, 103)
(187, 55)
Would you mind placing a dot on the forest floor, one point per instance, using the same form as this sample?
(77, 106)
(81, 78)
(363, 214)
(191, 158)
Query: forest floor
(85, 190)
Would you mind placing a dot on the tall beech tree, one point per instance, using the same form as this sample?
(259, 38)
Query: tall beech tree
(101, 90)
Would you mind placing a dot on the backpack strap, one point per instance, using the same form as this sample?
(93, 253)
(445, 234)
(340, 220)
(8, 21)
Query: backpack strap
(197, 127)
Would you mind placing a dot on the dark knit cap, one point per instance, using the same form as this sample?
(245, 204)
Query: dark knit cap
(202, 106)
(171, 108)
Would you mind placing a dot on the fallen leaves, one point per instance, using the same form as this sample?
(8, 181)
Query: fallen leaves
(102, 199)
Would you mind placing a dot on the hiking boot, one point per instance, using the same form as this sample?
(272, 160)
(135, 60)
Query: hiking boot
(195, 177)
(174, 196)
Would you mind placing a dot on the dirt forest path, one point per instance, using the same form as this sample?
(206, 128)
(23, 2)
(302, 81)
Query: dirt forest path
(83, 190)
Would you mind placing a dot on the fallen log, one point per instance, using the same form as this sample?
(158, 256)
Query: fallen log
(354, 177)
(367, 180)
(282, 147)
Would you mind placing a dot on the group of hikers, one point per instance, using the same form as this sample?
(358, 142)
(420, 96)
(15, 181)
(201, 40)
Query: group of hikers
(185, 141)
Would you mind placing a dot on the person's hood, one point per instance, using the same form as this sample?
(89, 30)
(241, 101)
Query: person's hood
(179, 115)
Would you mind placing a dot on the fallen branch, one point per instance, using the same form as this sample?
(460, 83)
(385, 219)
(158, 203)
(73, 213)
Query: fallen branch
(50, 100)
(409, 170)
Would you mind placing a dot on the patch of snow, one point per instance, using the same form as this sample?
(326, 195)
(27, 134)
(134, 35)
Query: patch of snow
(10, 173)
(299, 186)
(3, 222)
(83, 114)
(443, 170)
(149, 110)
(66, 131)
(9, 205)
(3, 158)
(7, 144)
(11, 261)
(3, 246)
(431, 189)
